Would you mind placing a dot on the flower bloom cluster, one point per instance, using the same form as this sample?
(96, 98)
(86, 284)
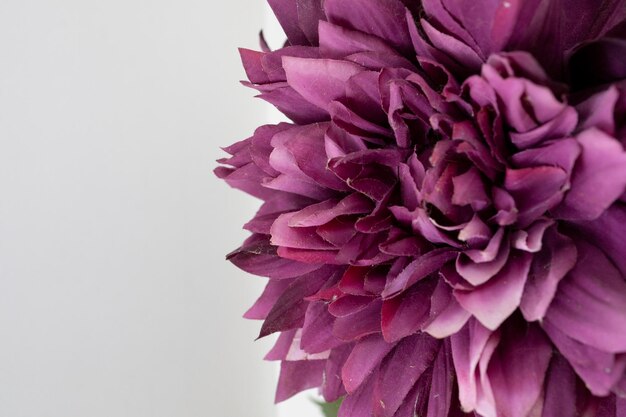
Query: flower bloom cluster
(444, 220)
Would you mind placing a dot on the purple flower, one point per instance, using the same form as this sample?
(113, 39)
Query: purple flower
(443, 224)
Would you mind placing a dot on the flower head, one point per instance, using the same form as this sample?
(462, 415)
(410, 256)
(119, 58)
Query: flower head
(442, 223)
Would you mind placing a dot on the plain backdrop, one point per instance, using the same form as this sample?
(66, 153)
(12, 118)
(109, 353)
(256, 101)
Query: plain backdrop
(115, 298)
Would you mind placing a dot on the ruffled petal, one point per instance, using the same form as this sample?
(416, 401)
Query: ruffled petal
(600, 172)
(590, 304)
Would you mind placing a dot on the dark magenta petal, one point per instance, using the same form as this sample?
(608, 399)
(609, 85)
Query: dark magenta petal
(283, 345)
(322, 213)
(439, 13)
(562, 153)
(612, 244)
(479, 266)
(447, 316)
(332, 388)
(358, 403)
(600, 171)
(258, 257)
(417, 270)
(298, 376)
(407, 313)
(441, 386)
(495, 301)
(535, 190)
(293, 105)
(600, 370)
(338, 42)
(550, 265)
(461, 53)
(319, 81)
(560, 390)
(472, 348)
(289, 310)
(348, 304)
(364, 358)
(599, 111)
(317, 335)
(469, 189)
(287, 13)
(296, 237)
(382, 18)
(271, 294)
(411, 357)
(310, 13)
(590, 304)
(362, 323)
(517, 369)
(530, 240)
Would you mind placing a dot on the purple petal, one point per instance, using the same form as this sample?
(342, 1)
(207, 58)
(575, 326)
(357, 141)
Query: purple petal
(549, 266)
(562, 153)
(495, 301)
(258, 257)
(290, 308)
(411, 357)
(442, 383)
(382, 18)
(560, 390)
(472, 348)
(317, 335)
(600, 172)
(535, 190)
(598, 111)
(296, 237)
(322, 213)
(287, 13)
(530, 240)
(364, 358)
(272, 292)
(517, 369)
(337, 42)
(358, 403)
(293, 105)
(462, 53)
(447, 315)
(479, 266)
(332, 387)
(348, 304)
(310, 13)
(362, 323)
(408, 312)
(319, 81)
(469, 189)
(418, 269)
(612, 244)
(600, 371)
(298, 376)
(590, 305)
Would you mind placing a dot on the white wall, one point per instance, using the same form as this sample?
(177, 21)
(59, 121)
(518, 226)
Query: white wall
(115, 299)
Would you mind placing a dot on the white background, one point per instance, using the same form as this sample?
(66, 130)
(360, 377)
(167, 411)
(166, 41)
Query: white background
(115, 299)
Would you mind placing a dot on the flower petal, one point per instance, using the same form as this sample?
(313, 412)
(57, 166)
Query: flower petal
(364, 358)
(298, 376)
(411, 357)
(600, 172)
(590, 305)
(495, 301)
(550, 265)
(319, 81)
(518, 367)
(382, 18)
